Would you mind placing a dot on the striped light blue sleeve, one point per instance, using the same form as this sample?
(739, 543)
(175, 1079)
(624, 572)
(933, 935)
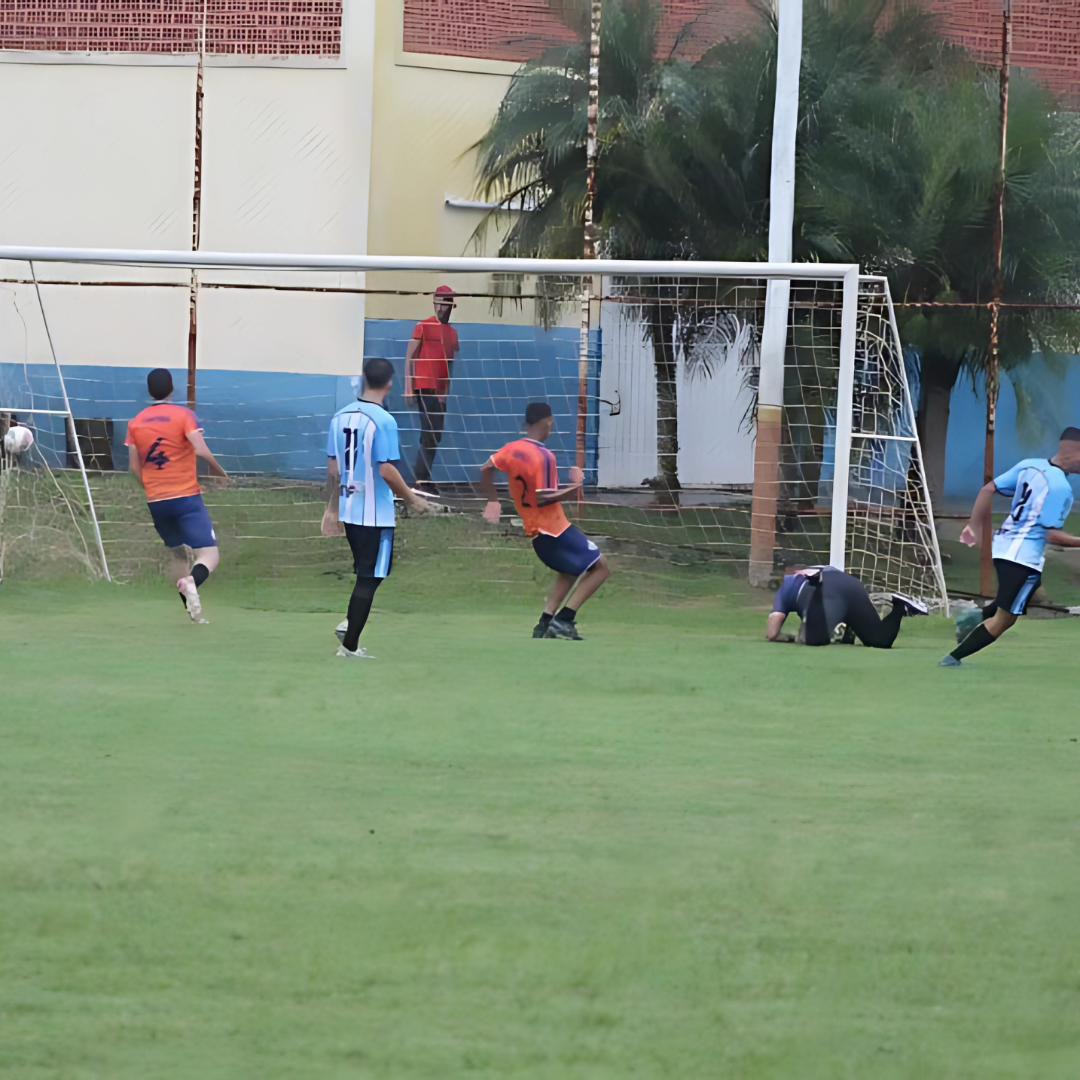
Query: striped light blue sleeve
(385, 446)
(1007, 481)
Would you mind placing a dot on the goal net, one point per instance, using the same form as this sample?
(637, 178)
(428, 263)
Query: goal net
(650, 369)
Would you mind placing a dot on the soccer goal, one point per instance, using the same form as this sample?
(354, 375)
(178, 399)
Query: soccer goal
(651, 369)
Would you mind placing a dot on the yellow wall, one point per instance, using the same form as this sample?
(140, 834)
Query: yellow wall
(424, 120)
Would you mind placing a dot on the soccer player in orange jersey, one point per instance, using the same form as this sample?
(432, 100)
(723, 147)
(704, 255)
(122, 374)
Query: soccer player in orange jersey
(534, 487)
(163, 442)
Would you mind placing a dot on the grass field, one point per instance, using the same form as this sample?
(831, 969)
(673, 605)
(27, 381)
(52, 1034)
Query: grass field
(672, 850)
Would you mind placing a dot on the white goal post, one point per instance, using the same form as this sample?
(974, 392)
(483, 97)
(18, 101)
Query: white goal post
(844, 280)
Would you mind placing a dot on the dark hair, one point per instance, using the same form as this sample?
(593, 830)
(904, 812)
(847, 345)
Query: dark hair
(536, 411)
(159, 383)
(1070, 434)
(378, 372)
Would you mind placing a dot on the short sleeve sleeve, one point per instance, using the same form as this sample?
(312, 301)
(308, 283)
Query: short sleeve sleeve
(501, 459)
(418, 332)
(784, 600)
(190, 422)
(384, 446)
(1007, 481)
(129, 439)
(331, 441)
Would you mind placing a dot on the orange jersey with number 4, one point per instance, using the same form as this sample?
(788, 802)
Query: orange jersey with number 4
(160, 437)
(531, 467)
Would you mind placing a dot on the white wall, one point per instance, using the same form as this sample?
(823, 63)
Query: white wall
(714, 445)
(102, 155)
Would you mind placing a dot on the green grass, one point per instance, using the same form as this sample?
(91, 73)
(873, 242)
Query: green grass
(669, 851)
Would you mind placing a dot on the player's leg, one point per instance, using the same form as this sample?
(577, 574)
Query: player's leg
(870, 628)
(193, 521)
(559, 592)
(572, 555)
(373, 555)
(432, 419)
(587, 584)
(1016, 584)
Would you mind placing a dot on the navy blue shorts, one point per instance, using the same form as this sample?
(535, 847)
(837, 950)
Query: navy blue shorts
(183, 521)
(571, 552)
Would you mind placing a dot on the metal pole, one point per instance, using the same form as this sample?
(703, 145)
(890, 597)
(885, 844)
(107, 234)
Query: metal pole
(845, 396)
(74, 433)
(993, 378)
(196, 219)
(775, 328)
(592, 126)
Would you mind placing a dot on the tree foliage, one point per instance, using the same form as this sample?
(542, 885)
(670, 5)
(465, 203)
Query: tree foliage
(897, 162)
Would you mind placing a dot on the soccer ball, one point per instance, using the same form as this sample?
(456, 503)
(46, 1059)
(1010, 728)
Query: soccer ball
(18, 440)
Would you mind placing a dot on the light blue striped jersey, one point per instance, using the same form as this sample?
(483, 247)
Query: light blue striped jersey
(362, 436)
(1041, 500)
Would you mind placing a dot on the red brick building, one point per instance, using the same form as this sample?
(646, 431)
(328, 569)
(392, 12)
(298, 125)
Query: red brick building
(1046, 32)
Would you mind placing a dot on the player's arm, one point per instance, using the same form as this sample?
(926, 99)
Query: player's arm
(550, 495)
(1062, 539)
(972, 531)
(202, 450)
(410, 366)
(396, 482)
(547, 496)
(135, 462)
(492, 507)
(773, 627)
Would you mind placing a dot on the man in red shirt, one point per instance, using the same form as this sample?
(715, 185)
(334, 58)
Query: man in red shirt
(564, 548)
(428, 359)
(163, 442)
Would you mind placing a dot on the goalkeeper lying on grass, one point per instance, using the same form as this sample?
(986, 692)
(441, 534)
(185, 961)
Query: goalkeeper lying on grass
(835, 607)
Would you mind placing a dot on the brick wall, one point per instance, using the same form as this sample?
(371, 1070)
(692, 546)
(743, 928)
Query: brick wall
(1046, 32)
(1046, 36)
(236, 27)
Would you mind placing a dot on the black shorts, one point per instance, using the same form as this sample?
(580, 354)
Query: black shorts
(372, 549)
(1016, 583)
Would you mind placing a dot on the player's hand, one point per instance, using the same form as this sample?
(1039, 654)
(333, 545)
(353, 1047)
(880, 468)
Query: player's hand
(969, 536)
(577, 476)
(492, 512)
(423, 506)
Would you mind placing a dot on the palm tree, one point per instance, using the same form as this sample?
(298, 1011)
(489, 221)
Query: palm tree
(896, 167)
(534, 152)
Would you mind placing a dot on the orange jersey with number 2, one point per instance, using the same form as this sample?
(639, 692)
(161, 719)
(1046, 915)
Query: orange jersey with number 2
(160, 437)
(531, 467)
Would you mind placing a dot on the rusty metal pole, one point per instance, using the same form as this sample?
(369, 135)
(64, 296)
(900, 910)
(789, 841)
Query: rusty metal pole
(196, 215)
(993, 379)
(591, 150)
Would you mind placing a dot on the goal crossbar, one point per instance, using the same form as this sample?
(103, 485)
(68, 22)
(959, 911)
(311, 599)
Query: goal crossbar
(223, 260)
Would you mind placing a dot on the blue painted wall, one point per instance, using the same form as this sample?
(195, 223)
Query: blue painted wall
(1055, 404)
(277, 422)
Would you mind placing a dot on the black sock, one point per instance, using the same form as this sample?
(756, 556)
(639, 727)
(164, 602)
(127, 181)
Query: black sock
(200, 574)
(978, 639)
(989, 611)
(545, 618)
(359, 608)
(566, 615)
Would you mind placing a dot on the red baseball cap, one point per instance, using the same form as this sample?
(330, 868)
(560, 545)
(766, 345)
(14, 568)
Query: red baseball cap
(445, 290)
